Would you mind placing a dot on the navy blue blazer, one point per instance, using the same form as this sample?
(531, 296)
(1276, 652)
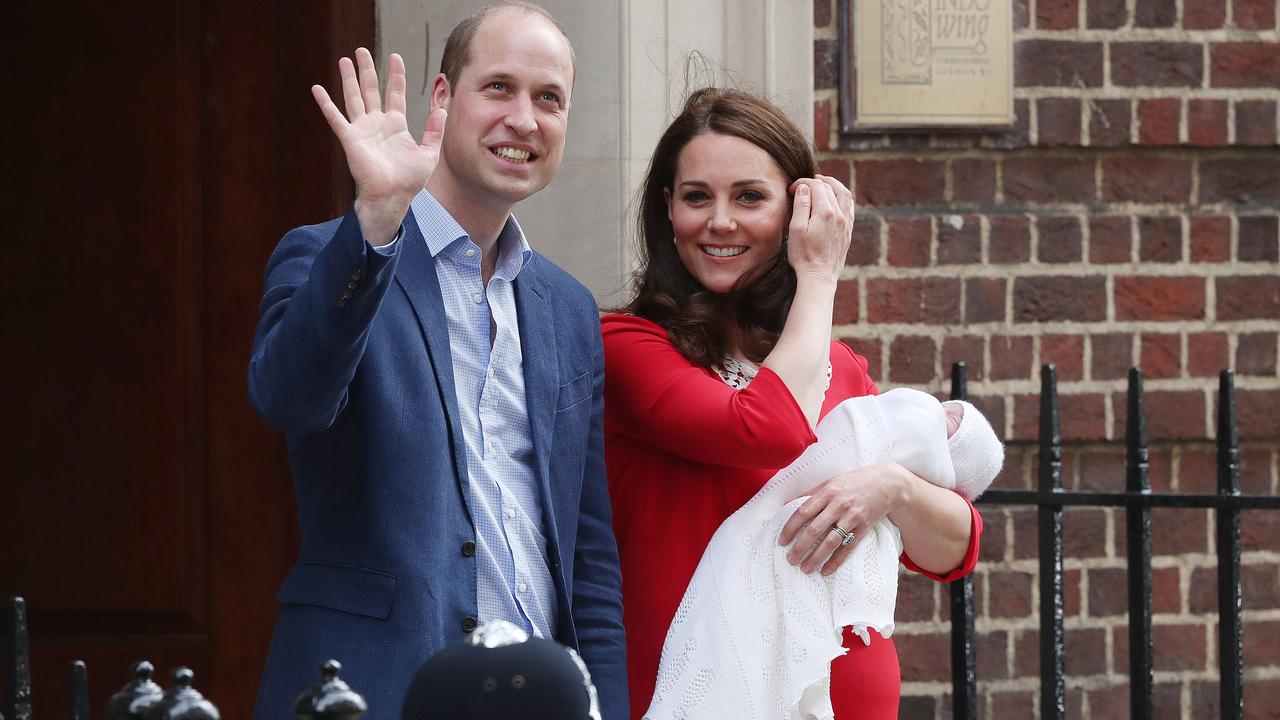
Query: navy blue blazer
(351, 361)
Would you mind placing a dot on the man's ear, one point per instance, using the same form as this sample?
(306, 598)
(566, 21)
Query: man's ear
(440, 92)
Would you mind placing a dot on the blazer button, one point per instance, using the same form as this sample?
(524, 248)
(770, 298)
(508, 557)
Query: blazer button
(468, 549)
(468, 624)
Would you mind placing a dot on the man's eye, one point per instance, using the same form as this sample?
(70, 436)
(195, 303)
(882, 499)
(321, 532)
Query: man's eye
(498, 86)
(550, 97)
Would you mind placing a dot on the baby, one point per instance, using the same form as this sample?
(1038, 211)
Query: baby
(754, 635)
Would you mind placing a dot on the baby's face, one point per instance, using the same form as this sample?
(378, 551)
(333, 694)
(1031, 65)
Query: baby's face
(955, 413)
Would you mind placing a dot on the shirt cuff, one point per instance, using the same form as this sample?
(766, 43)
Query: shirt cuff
(389, 248)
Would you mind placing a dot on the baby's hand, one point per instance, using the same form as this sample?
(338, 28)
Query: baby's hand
(955, 413)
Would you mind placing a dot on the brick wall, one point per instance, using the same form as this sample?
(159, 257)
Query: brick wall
(1128, 218)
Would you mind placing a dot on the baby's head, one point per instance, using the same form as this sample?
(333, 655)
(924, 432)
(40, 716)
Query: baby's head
(976, 452)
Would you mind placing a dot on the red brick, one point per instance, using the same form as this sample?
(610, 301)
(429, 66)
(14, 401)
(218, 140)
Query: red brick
(1084, 532)
(1112, 701)
(911, 359)
(1177, 532)
(932, 301)
(1161, 356)
(1171, 414)
(1109, 122)
(1198, 470)
(991, 651)
(1207, 122)
(1166, 593)
(1260, 586)
(1058, 121)
(1057, 63)
(1248, 297)
(1254, 14)
(1049, 179)
(1066, 352)
(1102, 470)
(1256, 414)
(984, 300)
(1257, 239)
(1205, 696)
(924, 657)
(1206, 354)
(1204, 14)
(1111, 355)
(1160, 468)
(918, 706)
(1057, 14)
(1160, 239)
(1158, 121)
(1060, 239)
(1017, 136)
(1262, 644)
(916, 599)
(1146, 179)
(1010, 239)
(1160, 298)
(1244, 65)
(1252, 181)
(959, 246)
(973, 180)
(1026, 535)
(1021, 14)
(1179, 647)
(1202, 591)
(1080, 416)
(1105, 14)
(1256, 122)
(909, 240)
(1014, 475)
(1010, 357)
(822, 124)
(1210, 238)
(821, 13)
(1110, 239)
(826, 63)
(900, 182)
(845, 311)
(1256, 354)
(1155, 13)
(1072, 601)
(1011, 703)
(1108, 592)
(837, 168)
(966, 349)
(1009, 593)
(1259, 530)
(1051, 298)
(1157, 64)
(1026, 663)
(868, 348)
(1086, 653)
(864, 248)
(1255, 471)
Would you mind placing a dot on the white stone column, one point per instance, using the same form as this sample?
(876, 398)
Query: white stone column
(632, 57)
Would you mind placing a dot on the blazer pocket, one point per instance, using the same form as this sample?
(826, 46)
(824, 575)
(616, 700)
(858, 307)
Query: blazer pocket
(574, 392)
(340, 587)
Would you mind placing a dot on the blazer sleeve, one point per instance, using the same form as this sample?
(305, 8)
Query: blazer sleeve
(597, 584)
(323, 288)
(659, 397)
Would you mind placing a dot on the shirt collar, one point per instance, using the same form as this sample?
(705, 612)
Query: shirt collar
(441, 231)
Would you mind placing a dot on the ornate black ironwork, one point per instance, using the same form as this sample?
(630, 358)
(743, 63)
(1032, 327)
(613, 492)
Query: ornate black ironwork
(1138, 545)
(183, 702)
(964, 674)
(17, 663)
(1053, 690)
(79, 700)
(330, 698)
(137, 696)
(1230, 605)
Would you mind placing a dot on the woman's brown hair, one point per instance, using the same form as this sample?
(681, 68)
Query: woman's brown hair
(701, 324)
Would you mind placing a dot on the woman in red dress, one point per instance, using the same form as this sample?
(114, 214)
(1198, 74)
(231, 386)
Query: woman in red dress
(721, 365)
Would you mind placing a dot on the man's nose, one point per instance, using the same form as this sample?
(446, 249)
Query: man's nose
(520, 115)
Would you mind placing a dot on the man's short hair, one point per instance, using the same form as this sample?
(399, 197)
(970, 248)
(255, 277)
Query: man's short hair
(457, 49)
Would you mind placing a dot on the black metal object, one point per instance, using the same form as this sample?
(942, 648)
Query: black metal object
(1138, 545)
(137, 697)
(1137, 501)
(330, 698)
(182, 701)
(79, 700)
(964, 674)
(17, 662)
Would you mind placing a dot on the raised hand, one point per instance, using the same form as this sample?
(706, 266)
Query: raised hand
(821, 228)
(388, 165)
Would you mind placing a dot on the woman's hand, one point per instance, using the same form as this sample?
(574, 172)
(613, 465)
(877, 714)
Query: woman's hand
(821, 228)
(855, 501)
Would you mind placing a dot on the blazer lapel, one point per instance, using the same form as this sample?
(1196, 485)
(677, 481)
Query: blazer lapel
(416, 275)
(541, 370)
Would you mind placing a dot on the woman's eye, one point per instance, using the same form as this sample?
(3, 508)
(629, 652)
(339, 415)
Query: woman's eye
(751, 196)
(695, 196)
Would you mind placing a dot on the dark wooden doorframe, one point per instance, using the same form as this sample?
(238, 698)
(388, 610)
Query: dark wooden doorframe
(144, 510)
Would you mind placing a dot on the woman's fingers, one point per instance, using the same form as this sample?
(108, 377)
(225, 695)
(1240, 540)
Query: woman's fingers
(800, 211)
(839, 556)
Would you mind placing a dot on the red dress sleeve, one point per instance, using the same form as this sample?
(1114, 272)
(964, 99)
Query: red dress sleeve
(656, 395)
(970, 555)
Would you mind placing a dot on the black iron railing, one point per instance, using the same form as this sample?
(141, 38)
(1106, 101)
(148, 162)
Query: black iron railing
(1137, 501)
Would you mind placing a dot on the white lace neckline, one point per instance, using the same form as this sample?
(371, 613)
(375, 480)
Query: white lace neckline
(738, 373)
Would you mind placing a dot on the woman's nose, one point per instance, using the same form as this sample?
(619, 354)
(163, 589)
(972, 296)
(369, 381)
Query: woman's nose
(722, 220)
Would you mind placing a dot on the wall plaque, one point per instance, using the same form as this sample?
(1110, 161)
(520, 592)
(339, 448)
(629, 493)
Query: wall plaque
(929, 63)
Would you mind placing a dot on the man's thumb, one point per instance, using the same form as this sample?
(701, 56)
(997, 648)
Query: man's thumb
(434, 131)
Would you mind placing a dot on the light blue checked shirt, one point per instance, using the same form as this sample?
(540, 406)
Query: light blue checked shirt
(512, 579)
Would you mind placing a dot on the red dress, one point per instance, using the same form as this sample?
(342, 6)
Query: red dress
(684, 451)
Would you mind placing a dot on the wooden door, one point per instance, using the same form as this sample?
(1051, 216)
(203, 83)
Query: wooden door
(156, 151)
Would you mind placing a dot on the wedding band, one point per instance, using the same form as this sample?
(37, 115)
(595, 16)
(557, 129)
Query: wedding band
(848, 536)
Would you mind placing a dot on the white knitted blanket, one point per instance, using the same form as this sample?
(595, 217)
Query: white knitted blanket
(754, 636)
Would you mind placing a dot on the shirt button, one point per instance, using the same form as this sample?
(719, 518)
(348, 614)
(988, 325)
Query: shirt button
(468, 549)
(521, 588)
(468, 624)
(511, 514)
(477, 297)
(490, 372)
(471, 252)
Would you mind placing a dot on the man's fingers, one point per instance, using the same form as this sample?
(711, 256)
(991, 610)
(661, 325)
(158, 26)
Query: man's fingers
(396, 85)
(351, 89)
(433, 135)
(331, 113)
(368, 75)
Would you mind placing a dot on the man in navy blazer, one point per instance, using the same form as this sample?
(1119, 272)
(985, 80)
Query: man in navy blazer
(440, 385)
